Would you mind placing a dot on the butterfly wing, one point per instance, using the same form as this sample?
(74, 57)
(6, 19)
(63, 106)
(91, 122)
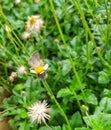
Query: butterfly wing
(35, 60)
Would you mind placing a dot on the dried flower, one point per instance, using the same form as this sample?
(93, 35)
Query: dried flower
(12, 76)
(38, 112)
(21, 70)
(34, 24)
(25, 35)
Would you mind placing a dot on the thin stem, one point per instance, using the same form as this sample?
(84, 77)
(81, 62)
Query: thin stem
(66, 47)
(8, 52)
(17, 38)
(47, 126)
(7, 110)
(56, 102)
(89, 32)
(96, 2)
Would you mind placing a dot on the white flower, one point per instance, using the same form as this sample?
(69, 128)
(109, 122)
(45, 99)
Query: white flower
(25, 35)
(34, 24)
(39, 69)
(21, 69)
(38, 112)
(17, 1)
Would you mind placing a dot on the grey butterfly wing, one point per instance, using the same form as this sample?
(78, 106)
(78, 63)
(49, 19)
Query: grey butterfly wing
(35, 60)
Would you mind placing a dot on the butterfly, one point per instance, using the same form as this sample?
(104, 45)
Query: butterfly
(37, 65)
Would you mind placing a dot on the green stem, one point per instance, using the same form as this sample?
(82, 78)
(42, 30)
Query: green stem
(17, 38)
(96, 2)
(89, 32)
(66, 47)
(56, 102)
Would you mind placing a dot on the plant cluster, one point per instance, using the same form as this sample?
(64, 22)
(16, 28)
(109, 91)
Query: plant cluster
(73, 39)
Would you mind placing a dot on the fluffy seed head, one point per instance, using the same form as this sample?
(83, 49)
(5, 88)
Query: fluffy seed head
(38, 112)
(21, 69)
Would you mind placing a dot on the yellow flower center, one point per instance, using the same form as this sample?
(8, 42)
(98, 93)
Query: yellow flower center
(39, 69)
(32, 20)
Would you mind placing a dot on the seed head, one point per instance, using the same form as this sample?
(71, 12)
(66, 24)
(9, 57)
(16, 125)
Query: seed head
(38, 112)
(21, 70)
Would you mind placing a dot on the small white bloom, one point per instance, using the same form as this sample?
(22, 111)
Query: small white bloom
(38, 112)
(25, 35)
(21, 70)
(34, 24)
(17, 1)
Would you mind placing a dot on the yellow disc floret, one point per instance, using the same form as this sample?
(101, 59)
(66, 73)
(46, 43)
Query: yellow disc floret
(39, 69)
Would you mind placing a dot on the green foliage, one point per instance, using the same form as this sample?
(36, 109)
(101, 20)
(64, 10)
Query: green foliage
(75, 42)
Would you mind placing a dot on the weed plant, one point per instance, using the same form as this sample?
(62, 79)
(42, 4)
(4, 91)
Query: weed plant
(75, 42)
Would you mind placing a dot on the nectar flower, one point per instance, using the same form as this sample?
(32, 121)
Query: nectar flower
(37, 65)
(21, 70)
(38, 112)
(12, 76)
(34, 24)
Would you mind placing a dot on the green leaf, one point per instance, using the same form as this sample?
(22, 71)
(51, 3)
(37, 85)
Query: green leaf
(22, 113)
(90, 97)
(64, 92)
(103, 77)
(82, 128)
(66, 67)
(64, 127)
(76, 120)
(19, 87)
(105, 104)
(74, 86)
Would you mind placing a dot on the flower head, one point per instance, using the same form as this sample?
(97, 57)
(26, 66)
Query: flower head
(21, 69)
(38, 112)
(12, 76)
(34, 24)
(37, 65)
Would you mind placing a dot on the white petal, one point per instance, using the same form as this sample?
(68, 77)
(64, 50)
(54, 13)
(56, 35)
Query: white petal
(33, 71)
(46, 66)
